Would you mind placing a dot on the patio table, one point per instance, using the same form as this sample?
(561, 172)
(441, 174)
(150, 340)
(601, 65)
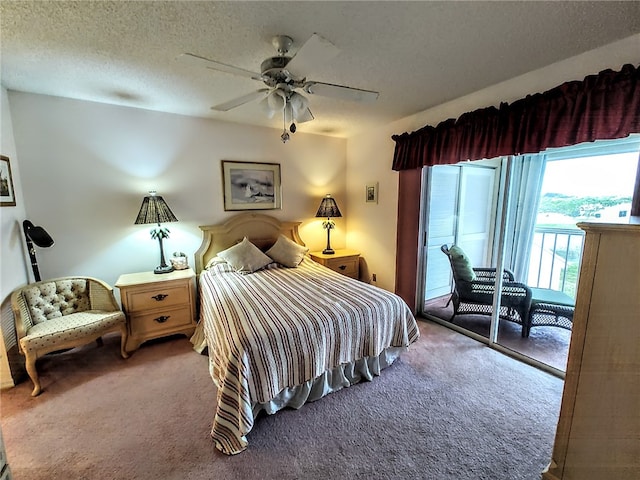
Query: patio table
(550, 308)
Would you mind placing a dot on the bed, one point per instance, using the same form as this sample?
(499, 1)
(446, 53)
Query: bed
(282, 336)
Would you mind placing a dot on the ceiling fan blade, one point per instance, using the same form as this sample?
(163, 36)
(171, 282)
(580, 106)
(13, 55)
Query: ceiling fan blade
(219, 66)
(236, 102)
(315, 52)
(340, 92)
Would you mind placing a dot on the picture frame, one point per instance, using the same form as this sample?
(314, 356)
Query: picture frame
(251, 185)
(371, 192)
(7, 193)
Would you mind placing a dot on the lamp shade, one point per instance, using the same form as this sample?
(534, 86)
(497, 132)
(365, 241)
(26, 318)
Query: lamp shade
(154, 210)
(40, 237)
(328, 208)
(37, 235)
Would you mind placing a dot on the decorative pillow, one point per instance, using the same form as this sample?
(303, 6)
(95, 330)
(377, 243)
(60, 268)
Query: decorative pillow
(287, 252)
(213, 262)
(245, 257)
(461, 264)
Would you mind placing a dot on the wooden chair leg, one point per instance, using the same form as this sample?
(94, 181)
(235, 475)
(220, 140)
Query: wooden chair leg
(30, 364)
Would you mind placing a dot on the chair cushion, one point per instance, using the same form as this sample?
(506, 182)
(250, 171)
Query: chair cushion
(59, 330)
(461, 264)
(48, 300)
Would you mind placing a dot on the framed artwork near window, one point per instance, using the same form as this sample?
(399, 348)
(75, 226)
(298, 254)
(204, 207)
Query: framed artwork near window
(371, 192)
(7, 194)
(251, 185)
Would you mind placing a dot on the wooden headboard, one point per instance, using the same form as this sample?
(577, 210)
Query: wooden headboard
(262, 230)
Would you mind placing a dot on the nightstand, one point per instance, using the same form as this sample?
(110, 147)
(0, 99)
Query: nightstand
(346, 262)
(157, 305)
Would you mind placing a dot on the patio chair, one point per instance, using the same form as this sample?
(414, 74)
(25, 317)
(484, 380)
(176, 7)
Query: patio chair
(474, 288)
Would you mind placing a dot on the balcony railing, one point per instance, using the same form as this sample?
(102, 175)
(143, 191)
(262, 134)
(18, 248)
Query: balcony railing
(555, 259)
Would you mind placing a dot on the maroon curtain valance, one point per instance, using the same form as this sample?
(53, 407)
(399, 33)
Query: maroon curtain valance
(603, 106)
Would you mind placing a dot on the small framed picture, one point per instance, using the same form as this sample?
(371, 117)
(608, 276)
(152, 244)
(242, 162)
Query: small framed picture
(371, 192)
(7, 194)
(251, 186)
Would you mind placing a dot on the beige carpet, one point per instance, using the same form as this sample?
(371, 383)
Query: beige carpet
(450, 408)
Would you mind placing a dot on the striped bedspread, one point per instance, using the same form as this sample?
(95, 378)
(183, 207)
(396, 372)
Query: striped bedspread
(280, 327)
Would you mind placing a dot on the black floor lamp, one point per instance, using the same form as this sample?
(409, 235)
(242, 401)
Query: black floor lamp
(41, 238)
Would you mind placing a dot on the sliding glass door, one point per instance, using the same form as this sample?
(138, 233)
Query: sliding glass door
(519, 214)
(462, 209)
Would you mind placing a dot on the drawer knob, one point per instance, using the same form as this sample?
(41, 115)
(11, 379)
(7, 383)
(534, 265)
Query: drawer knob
(159, 297)
(162, 319)
(342, 267)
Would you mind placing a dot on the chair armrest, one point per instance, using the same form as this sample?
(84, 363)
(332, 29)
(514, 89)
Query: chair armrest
(484, 272)
(21, 314)
(508, 288)
(101, 296)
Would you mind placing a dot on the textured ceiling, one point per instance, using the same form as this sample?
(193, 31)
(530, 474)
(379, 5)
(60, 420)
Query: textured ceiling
(416, 54)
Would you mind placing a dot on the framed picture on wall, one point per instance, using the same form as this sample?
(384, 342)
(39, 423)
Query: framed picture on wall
(371, 192)
(7, 194)
(251, 185)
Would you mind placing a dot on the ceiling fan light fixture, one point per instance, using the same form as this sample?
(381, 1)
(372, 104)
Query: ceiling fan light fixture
(300, 108)
(264, 105)
(298, 102)
(277, 100)
(282, 75)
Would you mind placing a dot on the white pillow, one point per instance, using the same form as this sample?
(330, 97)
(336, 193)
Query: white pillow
(245, 257)
(287, 252)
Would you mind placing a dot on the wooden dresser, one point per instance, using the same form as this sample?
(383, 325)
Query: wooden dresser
(158, 305)
(598, 434)
(346, 262)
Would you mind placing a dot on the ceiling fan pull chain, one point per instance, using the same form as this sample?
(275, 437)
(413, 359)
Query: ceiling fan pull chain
(285, 134)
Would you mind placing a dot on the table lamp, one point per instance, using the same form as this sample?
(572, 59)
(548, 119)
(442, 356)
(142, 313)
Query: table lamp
(155, 210)
(328, 208)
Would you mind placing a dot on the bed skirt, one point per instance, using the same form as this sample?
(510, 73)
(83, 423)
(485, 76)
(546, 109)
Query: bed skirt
(330, 381)
(231, 441)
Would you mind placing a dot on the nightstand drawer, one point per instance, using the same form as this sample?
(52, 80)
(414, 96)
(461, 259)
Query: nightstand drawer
(158, 297)
(347, 266)
(346, 262)
(160, 320)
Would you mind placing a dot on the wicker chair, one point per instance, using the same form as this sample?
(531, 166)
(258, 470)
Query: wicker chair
(64, 313)
(474, 288)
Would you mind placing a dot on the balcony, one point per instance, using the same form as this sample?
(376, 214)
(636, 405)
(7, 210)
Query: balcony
(555, 259)
(554, 263)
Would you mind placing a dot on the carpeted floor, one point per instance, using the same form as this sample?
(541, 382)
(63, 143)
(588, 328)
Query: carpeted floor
(450, 408)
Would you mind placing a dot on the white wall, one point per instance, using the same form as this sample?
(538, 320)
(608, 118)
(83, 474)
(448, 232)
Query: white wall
(13, 270)
(372, 228)
(86, 167)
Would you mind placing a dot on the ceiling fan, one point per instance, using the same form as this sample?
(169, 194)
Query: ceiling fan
(284, 77)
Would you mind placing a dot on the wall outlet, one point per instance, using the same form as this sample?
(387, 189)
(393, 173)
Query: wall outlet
(374, 278)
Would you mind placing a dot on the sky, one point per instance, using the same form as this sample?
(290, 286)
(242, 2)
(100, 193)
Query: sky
(592, 176)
